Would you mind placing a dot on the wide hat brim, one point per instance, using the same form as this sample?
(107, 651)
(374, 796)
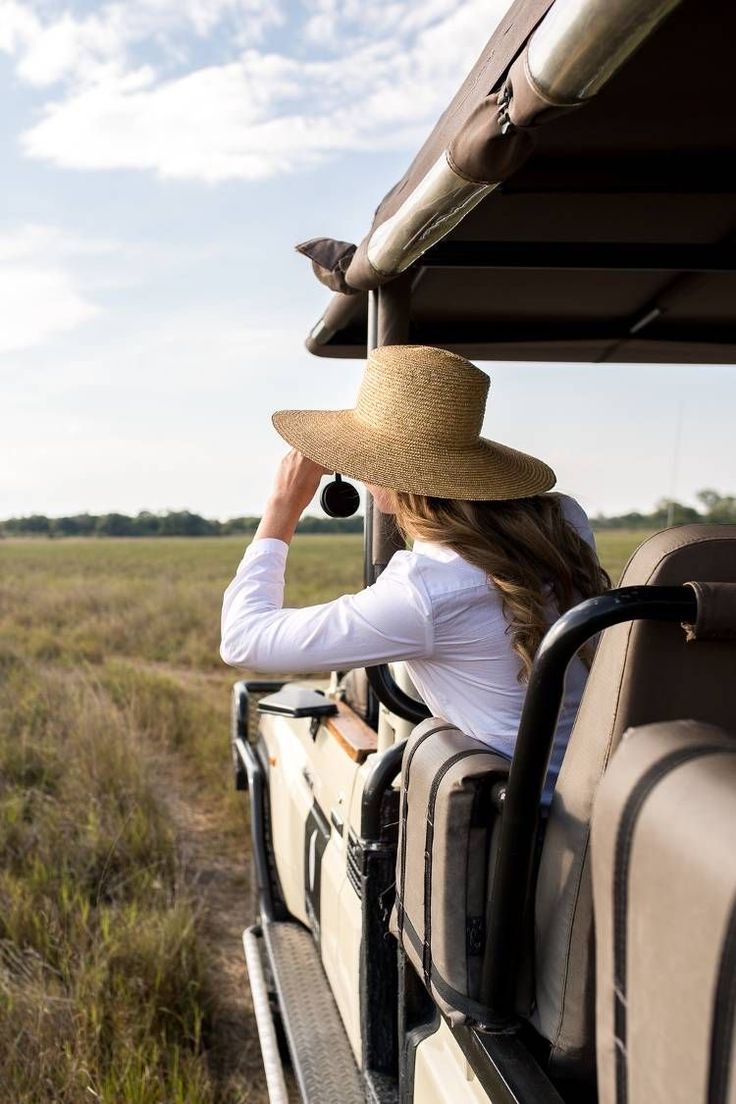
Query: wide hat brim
(481, 471)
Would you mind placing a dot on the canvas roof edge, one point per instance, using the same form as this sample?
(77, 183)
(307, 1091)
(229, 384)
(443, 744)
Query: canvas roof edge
(526, 75)
(332, 259)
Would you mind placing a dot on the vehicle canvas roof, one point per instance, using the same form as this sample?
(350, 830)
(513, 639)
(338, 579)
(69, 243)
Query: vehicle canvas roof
(614, 240)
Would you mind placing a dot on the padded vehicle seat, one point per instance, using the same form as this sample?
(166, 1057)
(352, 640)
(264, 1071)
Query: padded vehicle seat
(664, 886)
(643, 672)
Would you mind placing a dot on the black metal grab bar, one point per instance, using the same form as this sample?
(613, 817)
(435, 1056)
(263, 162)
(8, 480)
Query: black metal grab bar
(257, 786)
(388, 691)
(518, 832)
(250, 775)
(385, 769)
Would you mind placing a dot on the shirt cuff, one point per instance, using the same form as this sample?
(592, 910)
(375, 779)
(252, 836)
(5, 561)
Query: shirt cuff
(266, 548)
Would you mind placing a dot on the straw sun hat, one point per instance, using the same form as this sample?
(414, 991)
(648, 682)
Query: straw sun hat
(416, 427)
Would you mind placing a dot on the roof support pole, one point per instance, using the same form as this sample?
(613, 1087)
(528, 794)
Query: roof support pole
(370, 513)
(388, 324)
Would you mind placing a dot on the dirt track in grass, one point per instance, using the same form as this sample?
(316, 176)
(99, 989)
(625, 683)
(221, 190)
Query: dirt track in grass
(214, 852)
(217, 868)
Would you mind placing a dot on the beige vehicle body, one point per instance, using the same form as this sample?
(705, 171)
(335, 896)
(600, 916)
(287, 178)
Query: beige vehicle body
(576, 201)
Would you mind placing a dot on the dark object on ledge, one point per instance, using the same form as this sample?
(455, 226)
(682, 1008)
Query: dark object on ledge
(293, 701)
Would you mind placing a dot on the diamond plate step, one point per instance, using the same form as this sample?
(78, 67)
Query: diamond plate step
(320, 1052)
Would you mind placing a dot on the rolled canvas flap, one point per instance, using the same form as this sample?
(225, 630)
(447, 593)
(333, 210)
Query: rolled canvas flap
(481, 151)
(716, 612)
(361, 273)
(330, 259)
(528, 106)
(509, 35)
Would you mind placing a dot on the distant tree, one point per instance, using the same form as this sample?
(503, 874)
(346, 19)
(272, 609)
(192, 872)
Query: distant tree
(78, 525)
(65, 527)
(311, 524)
(182, 523)
(115, 525)
(634, 520)
(670, 512)
(239, 525)
(147, 524)
(718, 508)
(36, 523)
(658, 519)
(87, 524)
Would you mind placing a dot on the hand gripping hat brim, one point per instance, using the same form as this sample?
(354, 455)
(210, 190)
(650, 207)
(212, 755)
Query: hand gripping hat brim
(416, 428)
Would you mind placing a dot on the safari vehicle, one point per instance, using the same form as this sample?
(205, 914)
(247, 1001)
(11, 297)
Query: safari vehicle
(575, 202)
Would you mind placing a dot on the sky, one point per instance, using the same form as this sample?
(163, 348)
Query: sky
(160, 159)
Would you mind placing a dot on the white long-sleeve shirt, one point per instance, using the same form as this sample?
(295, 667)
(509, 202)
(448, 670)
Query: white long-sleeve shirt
(429, 607)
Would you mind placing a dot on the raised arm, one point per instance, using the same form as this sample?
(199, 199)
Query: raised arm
(389, 621)
(295, 485)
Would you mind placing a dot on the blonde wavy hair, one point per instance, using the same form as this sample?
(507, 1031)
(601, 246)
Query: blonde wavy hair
(525, 546)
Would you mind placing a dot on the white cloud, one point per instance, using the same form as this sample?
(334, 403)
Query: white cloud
(39, 296)
(34, 241)
(36, 304)
(18, 26)
(87, 48)
(333, 23)
(385, 74)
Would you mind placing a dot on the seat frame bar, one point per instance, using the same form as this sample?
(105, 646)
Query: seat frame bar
(513, 878)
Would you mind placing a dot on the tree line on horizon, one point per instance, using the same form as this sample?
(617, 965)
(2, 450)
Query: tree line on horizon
(170, 523)
(714, 508)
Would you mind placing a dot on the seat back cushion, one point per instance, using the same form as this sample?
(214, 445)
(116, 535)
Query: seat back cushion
(664, 893)
(445, 825)
(643, 672)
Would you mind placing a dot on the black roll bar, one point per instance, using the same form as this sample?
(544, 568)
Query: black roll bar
(386, 767)
(248, 761)
(388, 691)
(519, 822)
(257, 788)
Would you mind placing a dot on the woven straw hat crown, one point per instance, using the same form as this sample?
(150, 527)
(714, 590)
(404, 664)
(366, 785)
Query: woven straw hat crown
(416, 427)
(409, 385)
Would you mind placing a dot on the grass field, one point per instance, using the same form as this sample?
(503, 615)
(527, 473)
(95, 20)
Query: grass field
(115, 983)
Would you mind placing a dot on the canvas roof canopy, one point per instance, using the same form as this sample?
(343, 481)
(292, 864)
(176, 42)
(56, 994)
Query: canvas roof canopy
(557, 212)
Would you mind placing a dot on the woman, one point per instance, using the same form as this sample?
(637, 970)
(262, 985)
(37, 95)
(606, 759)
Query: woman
(495, 557)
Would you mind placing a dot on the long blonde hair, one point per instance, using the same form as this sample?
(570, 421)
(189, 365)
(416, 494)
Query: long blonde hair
(527, 549)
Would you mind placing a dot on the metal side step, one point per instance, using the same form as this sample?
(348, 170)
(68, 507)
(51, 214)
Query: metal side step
(320, 1052)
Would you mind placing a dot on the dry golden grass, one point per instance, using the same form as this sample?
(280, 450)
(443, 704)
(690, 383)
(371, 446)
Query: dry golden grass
(101, 985)
(112, 690)
(109, 674)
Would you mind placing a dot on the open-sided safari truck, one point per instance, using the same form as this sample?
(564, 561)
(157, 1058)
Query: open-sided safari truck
(424, 933)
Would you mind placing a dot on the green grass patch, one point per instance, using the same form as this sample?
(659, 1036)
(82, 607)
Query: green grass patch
(615, 546)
